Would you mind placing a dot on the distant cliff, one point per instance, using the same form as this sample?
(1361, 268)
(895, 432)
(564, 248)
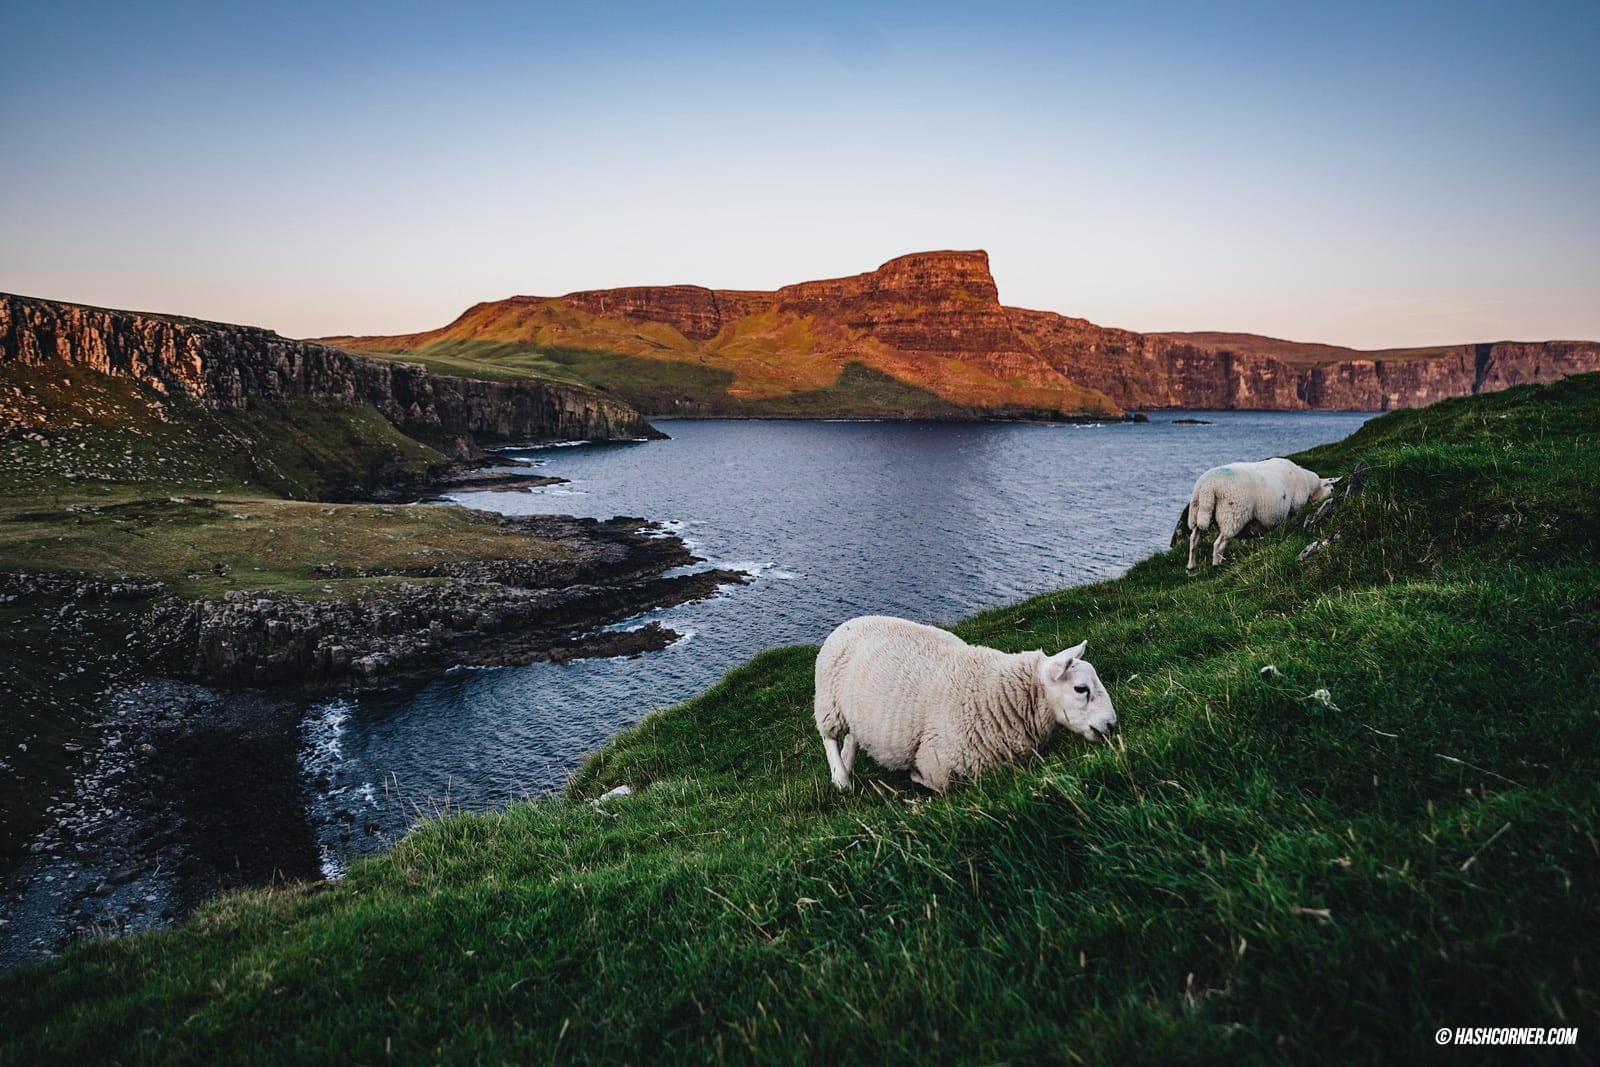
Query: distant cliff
(933, 322)
(225, 366)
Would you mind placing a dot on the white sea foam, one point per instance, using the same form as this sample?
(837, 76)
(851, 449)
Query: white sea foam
(769, 569)
(554, 444)
(328, 863)
(322, 736)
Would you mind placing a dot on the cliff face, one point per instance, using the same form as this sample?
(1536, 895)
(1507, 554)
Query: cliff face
(220, 365)
(934, 321)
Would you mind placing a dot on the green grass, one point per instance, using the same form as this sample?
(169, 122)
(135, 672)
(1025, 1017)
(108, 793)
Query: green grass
(1396, 833)
(99, 476)
(660, 387)
(203, 546)
(67, 434)
(489, 360)
(655, 387)
(861, 392)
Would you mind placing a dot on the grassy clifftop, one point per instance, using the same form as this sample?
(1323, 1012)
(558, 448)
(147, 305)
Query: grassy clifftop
(1395, 831)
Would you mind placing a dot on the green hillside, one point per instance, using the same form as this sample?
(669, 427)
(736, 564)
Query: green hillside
(660, 387)
(1393, 831)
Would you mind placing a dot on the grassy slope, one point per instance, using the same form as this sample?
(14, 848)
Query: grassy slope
(768, 374)
(667, 387)
(1260, 871)
(73, 434)
(208, 546)
(1303, 353)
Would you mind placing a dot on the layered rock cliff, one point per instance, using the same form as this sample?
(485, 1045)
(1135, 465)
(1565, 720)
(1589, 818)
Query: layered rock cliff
(934, 321)
(225, 366)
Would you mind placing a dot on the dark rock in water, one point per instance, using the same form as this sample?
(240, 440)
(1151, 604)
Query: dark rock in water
(493, 478)
(1191, 422)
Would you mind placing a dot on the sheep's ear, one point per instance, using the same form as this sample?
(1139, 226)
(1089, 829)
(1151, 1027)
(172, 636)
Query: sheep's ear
(1054, 668)
(1062, 661)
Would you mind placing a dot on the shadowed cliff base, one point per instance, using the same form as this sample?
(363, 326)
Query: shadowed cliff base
(933, 322)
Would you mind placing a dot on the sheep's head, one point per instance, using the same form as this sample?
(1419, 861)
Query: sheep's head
(1324, 489)
(1073, 691)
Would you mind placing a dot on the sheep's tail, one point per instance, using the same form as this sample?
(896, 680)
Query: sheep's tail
(1201, 505)
(826, 712)
(829, 719)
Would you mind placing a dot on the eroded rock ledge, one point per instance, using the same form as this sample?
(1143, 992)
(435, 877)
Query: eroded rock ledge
(477, 613)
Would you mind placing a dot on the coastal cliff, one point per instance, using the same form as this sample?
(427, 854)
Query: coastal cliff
(218, 365)
(934, 322)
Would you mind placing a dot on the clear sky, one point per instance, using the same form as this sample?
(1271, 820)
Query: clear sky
(1369, 174)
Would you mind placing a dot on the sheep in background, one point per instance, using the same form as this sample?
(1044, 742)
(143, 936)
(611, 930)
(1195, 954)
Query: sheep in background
(1266, 491)
(920, 698)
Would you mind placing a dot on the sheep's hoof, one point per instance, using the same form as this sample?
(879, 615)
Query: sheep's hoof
(843, 787)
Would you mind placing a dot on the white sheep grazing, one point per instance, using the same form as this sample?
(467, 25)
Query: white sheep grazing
(1266, 491)
(918, 697)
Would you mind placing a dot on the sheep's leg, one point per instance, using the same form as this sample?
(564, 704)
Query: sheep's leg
(847, 755)
(1231, 522)
(1194, 536)
(841, 770)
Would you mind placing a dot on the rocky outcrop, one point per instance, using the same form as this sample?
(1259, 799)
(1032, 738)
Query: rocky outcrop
(480, 612)
(934, 307)
(221, 365)
(689, 309)
(934, 320)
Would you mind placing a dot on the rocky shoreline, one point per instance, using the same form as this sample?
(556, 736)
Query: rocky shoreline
(467, 612)
(473, 613)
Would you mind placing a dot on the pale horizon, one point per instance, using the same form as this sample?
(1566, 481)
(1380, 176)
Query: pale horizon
(1371, 176)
